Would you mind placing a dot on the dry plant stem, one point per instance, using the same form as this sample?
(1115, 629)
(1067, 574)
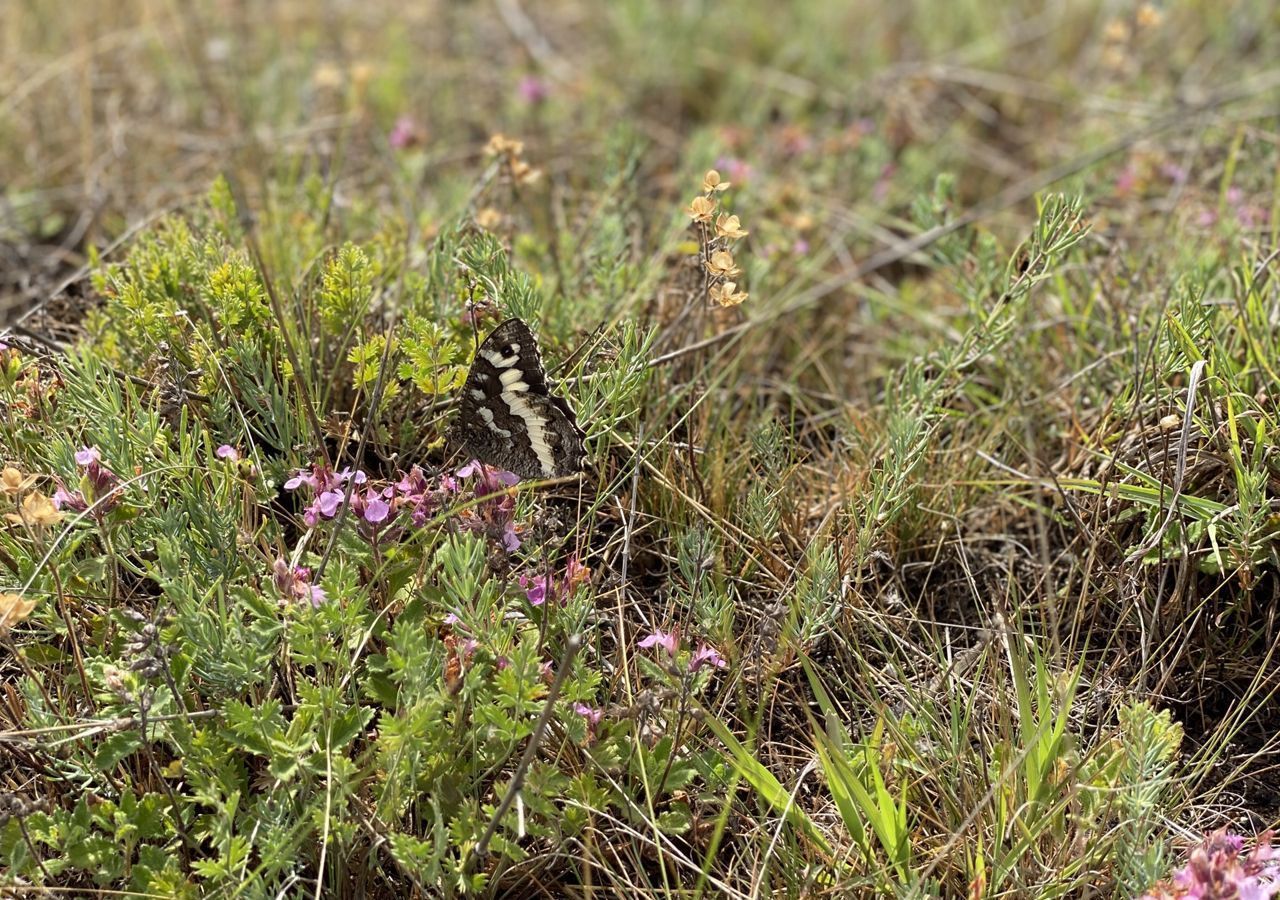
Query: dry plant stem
(143, 704)
(1184, 438)
(31, 848)
(120, 723)
(72, 635)
(75, 647)
(7, 642)
(572, 645)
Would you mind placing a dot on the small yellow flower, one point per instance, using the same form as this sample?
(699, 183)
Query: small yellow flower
(489, 218)
(327, 76)
(701, 209)
(361, 75)
(728, 226)
(13, 609)
(721, 264)
(1115, 59)
(13, 481)
(1117, 32)
(37, 510)
(727, 294)
(501, 145)
(524, 173)
(1149, 16)
(711, 183)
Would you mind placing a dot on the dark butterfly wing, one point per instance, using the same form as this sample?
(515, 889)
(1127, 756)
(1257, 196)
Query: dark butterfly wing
(509, 418)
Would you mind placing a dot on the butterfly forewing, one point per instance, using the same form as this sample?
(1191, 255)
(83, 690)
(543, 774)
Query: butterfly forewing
(509, 418)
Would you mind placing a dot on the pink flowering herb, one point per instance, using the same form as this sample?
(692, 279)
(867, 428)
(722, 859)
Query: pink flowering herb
(494, 516)
(371, 507)
(69, 500)
(533, 90)
(227, 452)
(1217, 868)
(591, 714)
(99, 488)
(294, 584)
(535, 588)
(667, 640)
(405, 133)
(706, 655)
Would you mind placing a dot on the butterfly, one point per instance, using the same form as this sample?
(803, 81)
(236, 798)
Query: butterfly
(509, 418)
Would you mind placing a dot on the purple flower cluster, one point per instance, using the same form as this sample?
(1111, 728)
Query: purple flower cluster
(495, 514)
(1217, 868)
(541, 588)
(705, 655)
(376, 510)
(1247, 213)
(98, 485)
(406, 133)
(327, 490)
(294, 583)
(590, 713)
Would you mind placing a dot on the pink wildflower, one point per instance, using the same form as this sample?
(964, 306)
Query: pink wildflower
(1216, 869)
(536, 588)
(669, 641)
(533, 90)
(592, 715)
(405, 133)
(706, 655)
(295, 584)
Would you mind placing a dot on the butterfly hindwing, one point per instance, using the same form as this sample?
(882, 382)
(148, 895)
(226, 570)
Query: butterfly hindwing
(509, 418)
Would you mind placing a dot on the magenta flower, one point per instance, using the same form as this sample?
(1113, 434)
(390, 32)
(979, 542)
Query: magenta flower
(669, 641)
(99, 486)
(71, 500)
(1216, 869)
(328, 503)
(884, 181)
(373, 508)
(541, 588)
(1174, 172)
(706, 655)
(492, 480)
(536, 588)
(1127, 180)
(533, 90)
(733, 168)
(405, 133)
(495, 514)
(227, 452)
(510, 539)
(96, 474)
(295, 584)
(412, 483)
(321, 478)
(592, 715)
